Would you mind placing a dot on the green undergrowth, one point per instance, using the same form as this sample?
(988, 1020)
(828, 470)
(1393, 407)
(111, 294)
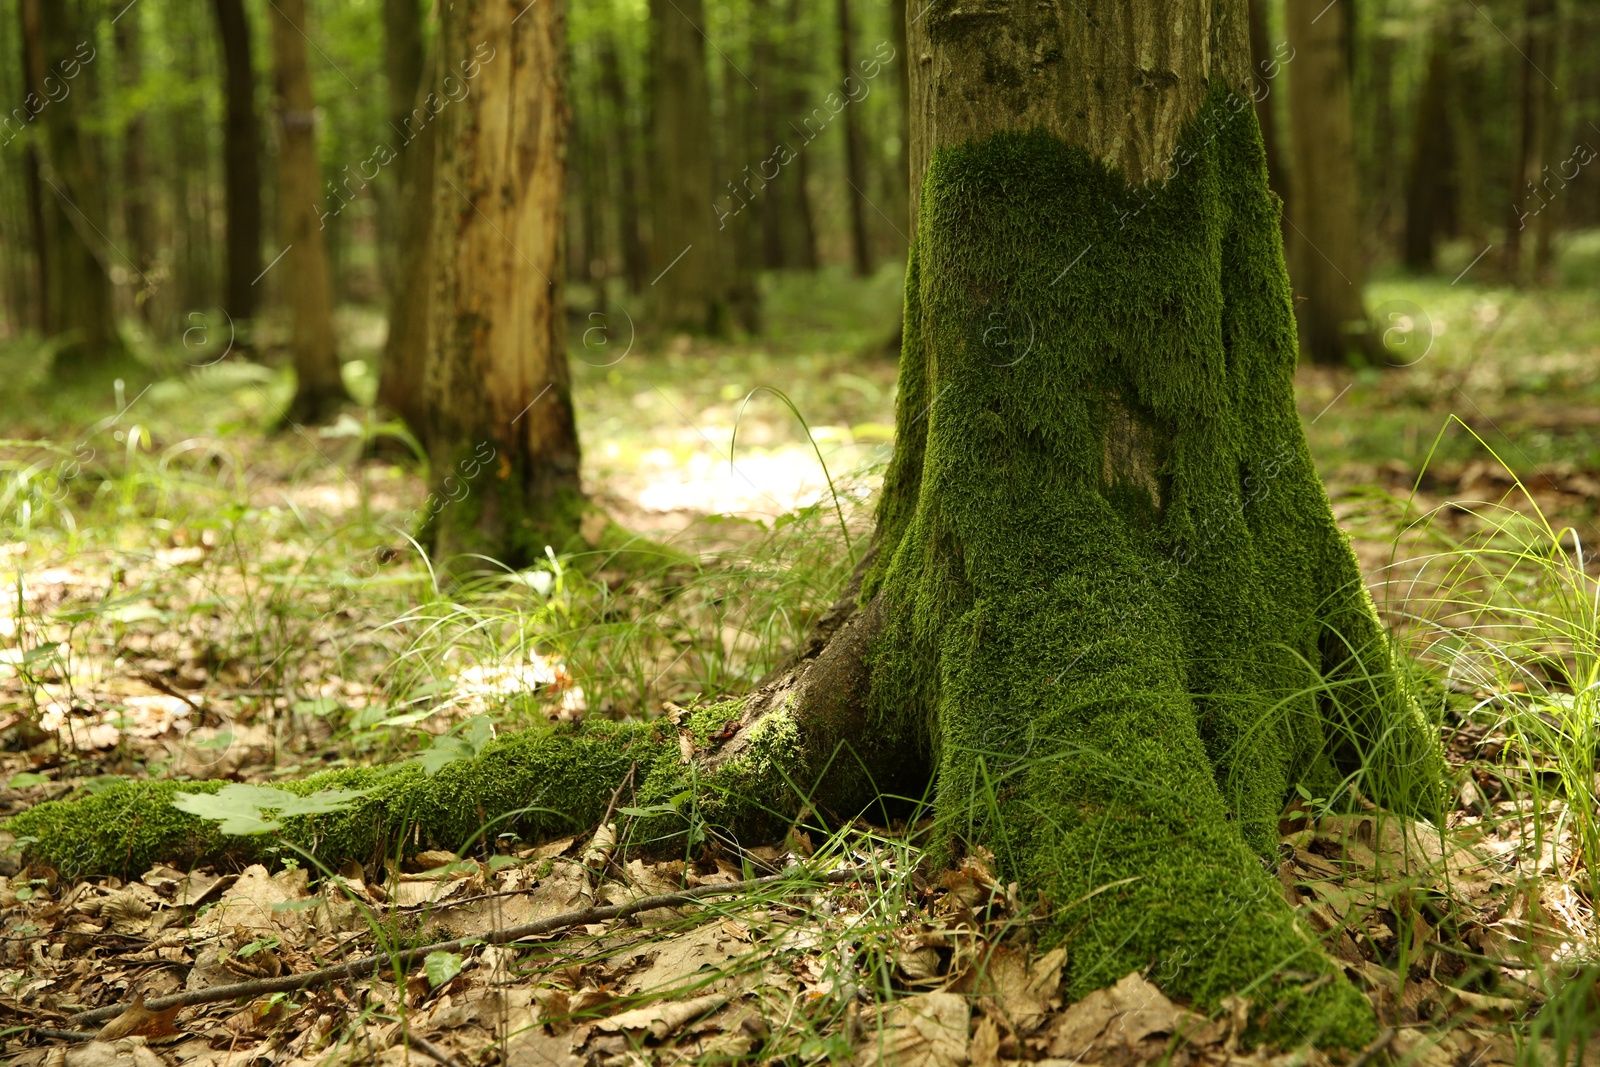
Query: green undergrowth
(1121, 617)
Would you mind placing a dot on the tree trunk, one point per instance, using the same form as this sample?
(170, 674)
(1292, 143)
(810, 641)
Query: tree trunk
(61, 79)
(135, 191)
(687, 254)
(1427, 172)
(1266, 64)
(31, 61)
(241, 161)
(318, 390)
(502, 440)
(855, 161)
(898, 205)
(403, 365)
(1547, 179)
(1325, 259)
(403, 71)
(624, 146)
(1526, 200)
(794, 181)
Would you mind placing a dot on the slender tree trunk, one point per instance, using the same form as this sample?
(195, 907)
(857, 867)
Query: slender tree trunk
(688, 258)
(502, 439)
(899, 206)
(241, 161)
(1266, 65)
(31, 60)
(403, 364)
(625, 148)
(855, 163)
(1525, 201)
(305, 277)
(800, 242)
(1325, 259)
(1552, 115)
(79, 306)
(403, 71)
(135, 191)
(1426, 174)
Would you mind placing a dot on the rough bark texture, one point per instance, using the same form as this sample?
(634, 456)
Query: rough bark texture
(688, 261)
(62, 82)
(501, 435)
(1325, 254)
(303, 273)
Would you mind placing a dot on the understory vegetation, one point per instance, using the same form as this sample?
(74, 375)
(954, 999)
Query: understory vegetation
(190, 594)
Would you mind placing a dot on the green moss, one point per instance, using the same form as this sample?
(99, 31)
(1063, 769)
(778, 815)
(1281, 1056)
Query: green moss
(1119, 608)
(534, 784)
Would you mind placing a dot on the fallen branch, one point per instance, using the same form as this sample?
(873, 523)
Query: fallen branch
(370, 964)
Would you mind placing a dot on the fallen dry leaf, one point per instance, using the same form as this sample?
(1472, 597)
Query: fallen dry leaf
(930, 1030)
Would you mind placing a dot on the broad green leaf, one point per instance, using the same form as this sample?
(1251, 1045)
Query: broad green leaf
(440, 967)
(27, 779)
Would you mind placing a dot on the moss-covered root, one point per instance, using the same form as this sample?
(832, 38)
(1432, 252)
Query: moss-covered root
(533, 784)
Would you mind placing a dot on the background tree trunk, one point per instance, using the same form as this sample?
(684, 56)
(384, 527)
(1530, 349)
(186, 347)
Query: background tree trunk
(78, 296)
(403, 364)
(1427, 174)
(689, 268)
(403, 71)
(1266, 65)
(1325, 247)
(624, 146)
(135, 187)
(304, 277)
(855, 162)
(502, 440)
(241, 161)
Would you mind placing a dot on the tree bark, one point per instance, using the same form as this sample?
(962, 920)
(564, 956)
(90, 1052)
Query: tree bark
(1431, 159)
(135, 191)
(403, 365)
(319, 390)
(1266, 64)
(624, 146)
(62, 86)
(241, 161)
(1325, 252)
(403, 62)
(689, 261)
(502, 440)
(855, 159)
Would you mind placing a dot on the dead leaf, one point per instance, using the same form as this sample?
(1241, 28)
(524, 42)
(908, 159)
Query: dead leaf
(985, 1048)
(138, 1021)
(662, 1020)
(126, 1052)
(930, 1029)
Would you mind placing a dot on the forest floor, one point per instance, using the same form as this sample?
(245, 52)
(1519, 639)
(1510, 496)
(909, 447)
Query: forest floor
(183, 592)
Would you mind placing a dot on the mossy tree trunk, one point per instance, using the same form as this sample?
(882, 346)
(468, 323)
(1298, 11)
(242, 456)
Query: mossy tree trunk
(501, 436)
(241, 161)
(1324, 235)
(304, 276)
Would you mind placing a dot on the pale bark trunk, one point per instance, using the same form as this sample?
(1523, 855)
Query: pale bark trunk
(304, 275)
(502, 439)
(241, 162)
